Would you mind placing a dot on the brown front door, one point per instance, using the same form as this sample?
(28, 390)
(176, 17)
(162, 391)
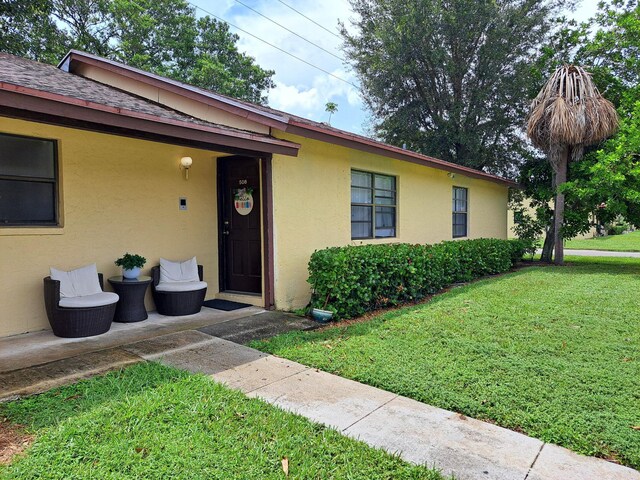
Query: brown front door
(240, 244)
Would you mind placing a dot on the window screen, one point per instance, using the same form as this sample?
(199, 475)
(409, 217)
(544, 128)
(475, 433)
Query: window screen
(373, 205)
(460, 213)
(28, 181)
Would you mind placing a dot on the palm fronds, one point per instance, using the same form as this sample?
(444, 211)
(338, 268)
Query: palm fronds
(570, 111)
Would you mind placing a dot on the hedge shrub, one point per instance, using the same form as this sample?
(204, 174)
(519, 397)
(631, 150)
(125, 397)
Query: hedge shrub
(353, 280)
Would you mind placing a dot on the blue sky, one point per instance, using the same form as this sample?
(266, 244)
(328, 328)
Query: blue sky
(301, 89)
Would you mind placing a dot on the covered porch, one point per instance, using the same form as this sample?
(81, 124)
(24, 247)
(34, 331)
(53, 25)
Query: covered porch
(117, 186)
(35, 362)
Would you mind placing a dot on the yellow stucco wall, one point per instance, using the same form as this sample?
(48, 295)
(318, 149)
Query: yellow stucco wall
(312, 205)
(119, 194)
(177, 102)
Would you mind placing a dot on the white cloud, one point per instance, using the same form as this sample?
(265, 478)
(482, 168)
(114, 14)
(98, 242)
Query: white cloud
(289, 97)
(300, 89)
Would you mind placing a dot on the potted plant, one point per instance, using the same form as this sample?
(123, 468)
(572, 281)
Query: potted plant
(131, 264)
(320, 314)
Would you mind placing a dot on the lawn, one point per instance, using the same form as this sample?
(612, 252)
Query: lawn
(150, 421)
(627, 242)
(553, 352)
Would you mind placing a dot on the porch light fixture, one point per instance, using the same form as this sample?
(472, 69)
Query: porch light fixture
(185, 164)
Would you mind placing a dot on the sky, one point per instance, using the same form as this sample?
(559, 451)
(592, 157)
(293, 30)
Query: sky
(300, 88)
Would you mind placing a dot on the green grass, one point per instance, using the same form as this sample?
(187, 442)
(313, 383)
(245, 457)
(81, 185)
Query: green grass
(553, 352)
(150, 421)
(627, 242)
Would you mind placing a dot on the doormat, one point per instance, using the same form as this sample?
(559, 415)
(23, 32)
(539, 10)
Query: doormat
(225, 305)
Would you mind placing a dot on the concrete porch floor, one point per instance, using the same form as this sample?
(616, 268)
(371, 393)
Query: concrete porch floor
(466, 448)
(37, 348)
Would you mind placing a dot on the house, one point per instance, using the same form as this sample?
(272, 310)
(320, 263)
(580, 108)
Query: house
(515, 217)
(90, 168)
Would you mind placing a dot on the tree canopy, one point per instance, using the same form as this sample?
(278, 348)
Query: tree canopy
(161, 36)
(451, 78)
(568, 114)
(606, 183)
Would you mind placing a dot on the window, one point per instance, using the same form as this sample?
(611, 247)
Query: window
(373, 205)
(518, 217)
(28, 181)
(460, 212)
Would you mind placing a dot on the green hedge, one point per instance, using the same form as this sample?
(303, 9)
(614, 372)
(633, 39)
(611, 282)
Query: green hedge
(353, 280)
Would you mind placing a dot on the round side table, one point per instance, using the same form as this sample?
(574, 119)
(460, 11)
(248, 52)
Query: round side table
(130, 306)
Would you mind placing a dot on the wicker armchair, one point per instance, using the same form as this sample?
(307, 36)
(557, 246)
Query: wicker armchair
(177, 303)
(75, 322)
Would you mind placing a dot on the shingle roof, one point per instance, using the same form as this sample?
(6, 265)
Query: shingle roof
(47, 78)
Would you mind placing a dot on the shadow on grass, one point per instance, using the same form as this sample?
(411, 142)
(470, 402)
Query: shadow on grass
(59, 404)
(372, 321)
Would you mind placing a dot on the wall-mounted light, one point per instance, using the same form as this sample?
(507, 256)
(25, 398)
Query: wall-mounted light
(185, 164)
(451, 175)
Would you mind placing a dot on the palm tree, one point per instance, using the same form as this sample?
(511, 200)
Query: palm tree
(332, 108)
(568, 114)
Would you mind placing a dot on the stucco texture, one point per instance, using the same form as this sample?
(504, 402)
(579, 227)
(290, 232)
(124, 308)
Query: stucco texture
(312, 207)
(117, 194)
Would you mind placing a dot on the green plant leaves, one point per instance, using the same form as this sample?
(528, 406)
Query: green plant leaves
(357, 279)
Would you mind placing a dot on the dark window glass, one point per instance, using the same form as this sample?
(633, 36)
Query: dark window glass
(518, 216)
(385, 221)
(361, 195)
(360, 179)
(460, 212)
(28, 181)
(361, 221)
(373, 205)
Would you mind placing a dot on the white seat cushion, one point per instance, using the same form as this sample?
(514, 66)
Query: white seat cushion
(79, 282)
(180, 286)
(86, 301)
(186, 271)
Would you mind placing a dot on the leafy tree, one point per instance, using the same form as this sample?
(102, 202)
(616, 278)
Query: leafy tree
(152, 35)
(217, 64)
(28, 29)
(611, 179)
(611, 49)
(450, 78)
(568, 114)
(605, 183)
(161, 36)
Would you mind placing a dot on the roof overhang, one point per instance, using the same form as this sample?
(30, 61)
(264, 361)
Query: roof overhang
(364, 144)
(275, 119)
(23, 102)
(224, 103)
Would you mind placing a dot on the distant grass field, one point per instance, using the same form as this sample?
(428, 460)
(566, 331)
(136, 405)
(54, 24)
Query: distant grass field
(553, 352)
(154, 422)
(627, 242)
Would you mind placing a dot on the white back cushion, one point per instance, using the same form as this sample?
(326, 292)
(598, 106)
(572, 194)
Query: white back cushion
(79, 282)
(186, 271)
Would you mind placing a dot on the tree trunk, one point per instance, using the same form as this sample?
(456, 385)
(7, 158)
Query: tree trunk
(547, 246)
(558, 213)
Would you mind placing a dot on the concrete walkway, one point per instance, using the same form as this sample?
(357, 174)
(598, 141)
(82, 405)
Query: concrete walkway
(600, 253)
(467, 448)
(597, 253)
